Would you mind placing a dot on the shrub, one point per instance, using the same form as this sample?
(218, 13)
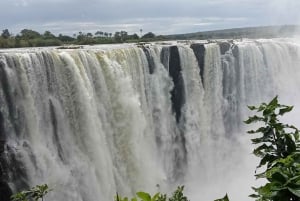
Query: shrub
(278, 148)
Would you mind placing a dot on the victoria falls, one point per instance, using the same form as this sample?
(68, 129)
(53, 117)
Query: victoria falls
(102, 119)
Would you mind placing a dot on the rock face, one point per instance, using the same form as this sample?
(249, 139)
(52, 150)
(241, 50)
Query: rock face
(178, 98)
(5, 191)
(177, 94)
(224, 47)
(199, 51)
(149, 59)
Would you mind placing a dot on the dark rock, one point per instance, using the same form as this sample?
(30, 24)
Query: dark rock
(5, 191)
(235, 51)
(224, 47)
(178, 100)
(165, 57)
(178, 93)
(199, 51)
(54, 123)
(150, 60)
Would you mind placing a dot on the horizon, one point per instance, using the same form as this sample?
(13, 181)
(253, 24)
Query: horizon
(230, 28)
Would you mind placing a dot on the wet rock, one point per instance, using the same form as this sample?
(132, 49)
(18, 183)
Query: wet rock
(199, 51)
(224, 47)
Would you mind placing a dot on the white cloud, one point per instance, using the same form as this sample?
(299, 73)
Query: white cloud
(161, 17)
(22, 3)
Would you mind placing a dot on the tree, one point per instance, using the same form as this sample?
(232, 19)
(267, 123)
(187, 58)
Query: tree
(118, 37)
(6, 34)
(148, 35)
(279, 150)
(89, 35)
(29, 34)
(65, 38)
(133, 37)
(48, 35)
(80, 36)
(99, 33)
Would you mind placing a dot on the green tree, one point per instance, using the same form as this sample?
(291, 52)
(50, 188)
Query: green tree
(6, 34)
(29, 34)
(48, 35)
(278, 148)
(149, 35)
(133, 37)
(65, 38)
(118, 37)
(89, 35)
(99, 33)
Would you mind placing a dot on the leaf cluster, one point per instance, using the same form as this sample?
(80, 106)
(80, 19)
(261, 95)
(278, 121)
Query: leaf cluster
(225, 198)
(278, 148)
(143, 196)
(33, 194)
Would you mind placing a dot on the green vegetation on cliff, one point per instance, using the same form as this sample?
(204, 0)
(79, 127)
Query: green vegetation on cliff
(31, 38)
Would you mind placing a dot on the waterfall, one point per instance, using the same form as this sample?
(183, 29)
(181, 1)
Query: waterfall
(95, 121)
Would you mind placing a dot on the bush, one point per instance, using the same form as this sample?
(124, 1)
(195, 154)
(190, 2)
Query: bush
(35, 193)
(278, 148)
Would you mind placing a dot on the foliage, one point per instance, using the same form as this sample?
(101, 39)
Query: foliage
(143, 196)
(225, 198)
(278, 148)
(149, 35)
(29, 34)
(31, 38)
(35, 193)
(5, 34)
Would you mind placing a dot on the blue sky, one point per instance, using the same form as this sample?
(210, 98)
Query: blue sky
(158, 16)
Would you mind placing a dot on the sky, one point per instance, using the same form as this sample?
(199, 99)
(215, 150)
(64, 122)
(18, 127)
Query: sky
(157, 16)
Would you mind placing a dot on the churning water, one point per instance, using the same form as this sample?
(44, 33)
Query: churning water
(93, 122)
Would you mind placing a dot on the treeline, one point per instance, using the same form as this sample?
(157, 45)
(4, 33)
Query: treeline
(31, 38)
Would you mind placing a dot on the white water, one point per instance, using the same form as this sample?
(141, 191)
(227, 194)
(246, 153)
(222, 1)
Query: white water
(94, 122)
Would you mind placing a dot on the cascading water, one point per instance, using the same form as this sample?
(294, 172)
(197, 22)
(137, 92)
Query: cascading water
(93, 122)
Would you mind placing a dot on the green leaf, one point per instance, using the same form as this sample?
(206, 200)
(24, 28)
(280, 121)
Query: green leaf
(279, 177)
(285, 110)
(154, 198)
(225, 198)
(254, 119)
(296, 192)
(254, 196)
(262, 107)
(274, 102)
(291, 145)
(251, 107)
(266, 160)
(267, 190)
(259, 151)
(260, 175)
(144, 196)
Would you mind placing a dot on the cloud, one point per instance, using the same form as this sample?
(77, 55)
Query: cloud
(21, 3)
(158, 25)
(161, 17)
